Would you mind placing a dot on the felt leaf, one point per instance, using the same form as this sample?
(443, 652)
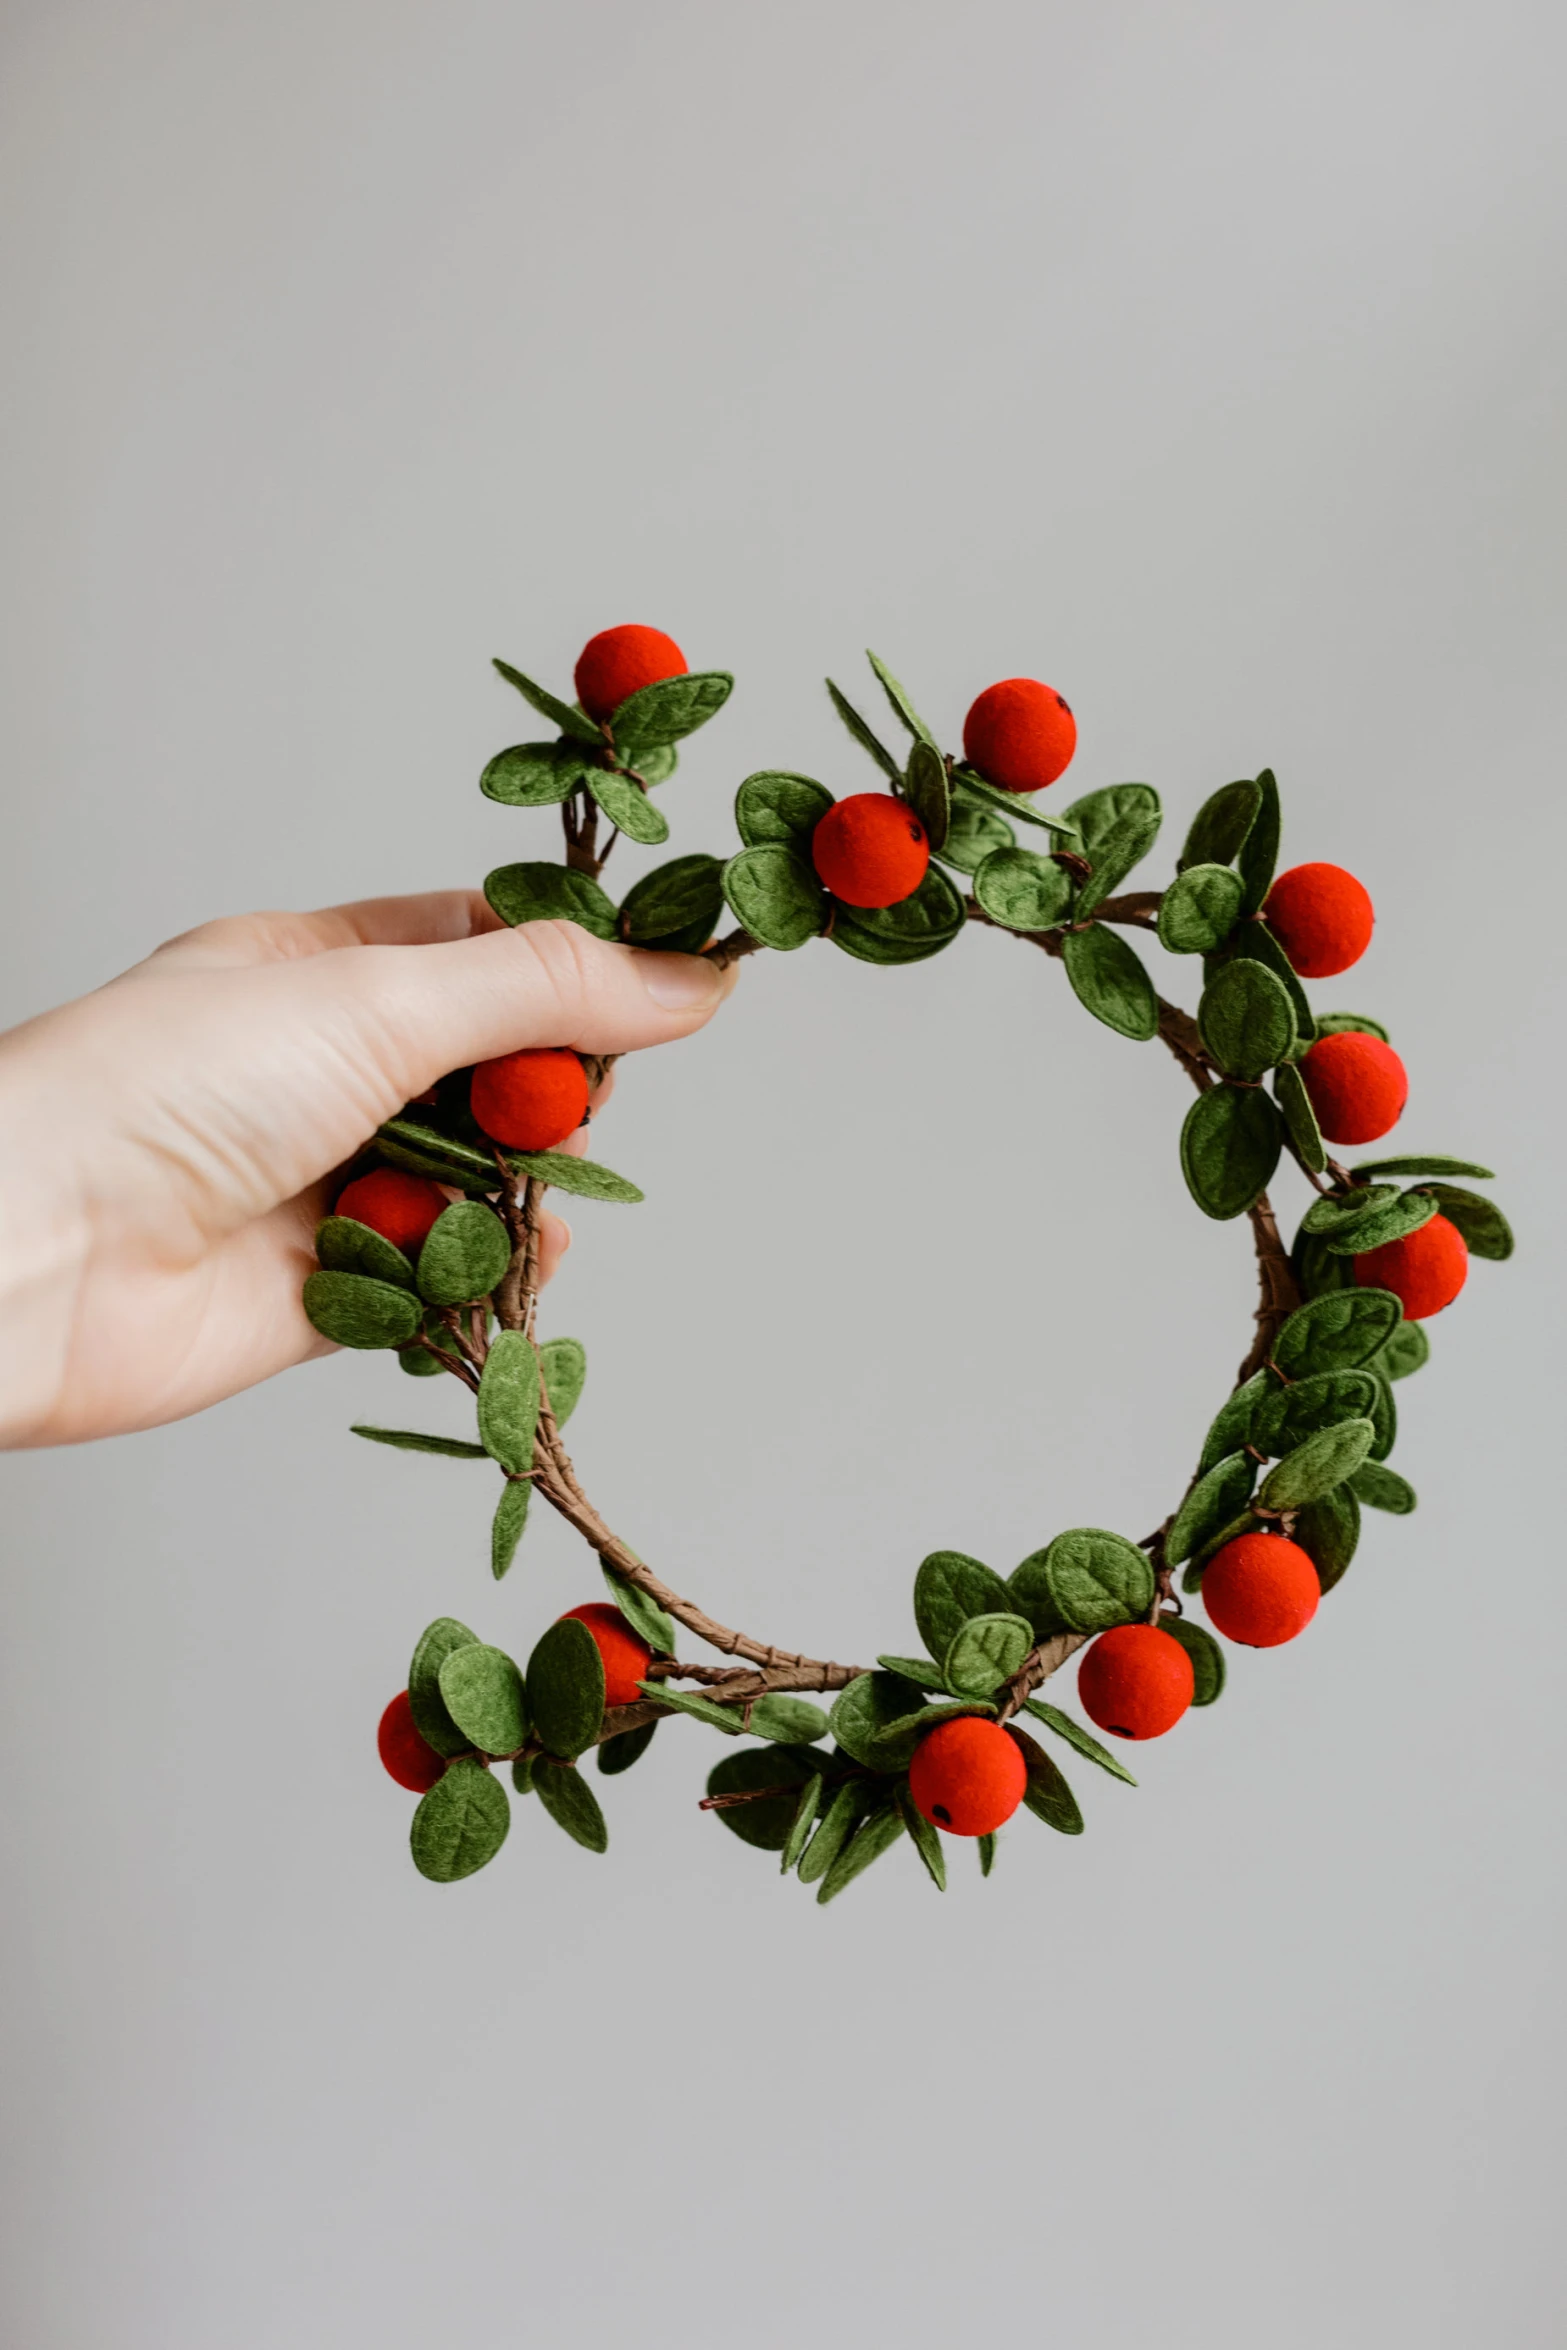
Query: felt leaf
(419, 1363)
(646, 1618)
(452, 1448)
(986, 1651)
(667, 711)
(805, 1811)
(863, 735)
(1199, 910)
(511, 1516)
(1317, 1271)
(1215, 1498)
(766, 1824)
(617, 1754)
(1047, 1794)
(1230, 1144)
(1022, 890)
(1096, 1579)
(345, 1246)
(564, 1688)
(1232, 1426)
(1421, 1166)
(1315, 1467)
(909, 932)
(1383, 1489)
(925, 1840)
(1392, 1219)
(1191, 1578)
(1337, 1333)
(973, 834)
(1328, 1530)
(1109, 981)
(829, 1840)
(627, 805)
(1408, 1350)
(657, 763)
(425, 1150)
(352, 1310)
(431, 1719)
(1384, 1420)
(465, 1253)
(727, 1718)
(562, 714)
(1258, 853)
(1221, 824)
(917, 1669)
(1300, 1119)
(787, 1720)
(927, 791)
(564, 1365)
(775, 809)
(1206, 1655)
(1485, 1230)
(870, 1840)
(680, 901)
(1350, 1024)
(949, 1588)
(985, 1847)
(460, 1824)
(870, 1705)
(481, 1689)
(1118, 825)
(970, 787)
(1029, 1595)
(571, 1803)
(1290, 1414)
(1082, 1741)
(536, 775)
(522, 1773)
(1333, 1214)
(1245, 1019)
(509, 1400)
(1254, 942)
(775, 895)
(903, 708)
(583, 1178)
(539, 892)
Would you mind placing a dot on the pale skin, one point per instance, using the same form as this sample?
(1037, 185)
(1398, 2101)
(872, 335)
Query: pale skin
(183, 1126)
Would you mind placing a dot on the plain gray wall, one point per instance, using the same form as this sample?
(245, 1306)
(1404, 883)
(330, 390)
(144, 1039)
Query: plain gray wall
(1207, 360)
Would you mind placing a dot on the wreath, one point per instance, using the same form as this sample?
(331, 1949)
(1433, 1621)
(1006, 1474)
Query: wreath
(433, 1252)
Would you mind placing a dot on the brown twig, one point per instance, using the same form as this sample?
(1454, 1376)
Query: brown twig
(724, 951)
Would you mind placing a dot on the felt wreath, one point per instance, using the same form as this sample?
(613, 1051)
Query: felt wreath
(433, 1252)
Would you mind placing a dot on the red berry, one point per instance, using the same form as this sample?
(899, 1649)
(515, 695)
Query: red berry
(619, 662)
(626, 1656)
(871, 850)
(1136, 1681)
(1261, 1589)
(1357, 1084)
(400, 1207)
(1425, 1270)
(412, 1763)
(1020, 734)
(530, 1100)
(1322, 917)
(968, 1776)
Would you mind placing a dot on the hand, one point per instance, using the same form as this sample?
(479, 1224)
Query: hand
(170, 1137)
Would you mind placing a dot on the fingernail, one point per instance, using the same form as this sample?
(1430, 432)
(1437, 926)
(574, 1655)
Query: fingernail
(681, 983)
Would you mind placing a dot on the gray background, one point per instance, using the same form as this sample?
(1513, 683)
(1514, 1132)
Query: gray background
(1207, 360)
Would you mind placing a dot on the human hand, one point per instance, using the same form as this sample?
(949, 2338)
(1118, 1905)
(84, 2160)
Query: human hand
(172, 1134)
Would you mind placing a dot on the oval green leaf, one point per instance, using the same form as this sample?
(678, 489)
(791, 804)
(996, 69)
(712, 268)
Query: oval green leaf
(346, 1246)
(460, 1824)
(1023, 890)
(1206, 1655)
(1221, 824)
(627, 805)
(668, 711)
(352, 1310)
(986, 1651)
(1199, 910)
(535, 775)
(1339, 1332)
(570, 1803)
(564, 1364)
(1215, 1498)
(538, 892)
(949, 1588)
(466, 1251)
(1246, 1019)
(916, 928)
(775, 895)
(1109, 981)
(1096, 1579)
(1230, 1144)
(509, 1400)
(1290, 1414)
(481, 1689)
(1315, 1467)
(564, 1688)
(506, 1527)
(777, 809)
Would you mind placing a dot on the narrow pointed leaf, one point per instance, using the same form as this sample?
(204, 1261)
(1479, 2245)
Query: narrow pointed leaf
(450, 1448)
(925, 1840)
(836, 1824)
(1221, 824)
(863, 735)
(1021, 807)
(570, 721)
(903, 708)
(1047, 1794)
(509, 1400)
(646, 1618)
(506, 1527)
(571, 1803)
(1081, 1741)
(628, 807)
(1300, 1119)
(583, 1178)
(1369, 1168)
(928, 792)
(1258, 853)
(804, 1820)
(870, 1840)
(563, 1363)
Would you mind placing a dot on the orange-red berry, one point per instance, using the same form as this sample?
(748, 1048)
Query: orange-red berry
(626, 1657)
(968, 1776)
(1261, 1589)
(1357, 1085)
(400, 1207)
(412, 1763)
(1322, 917)
(1020, 734)
(1425, 1270)
(530, 1100)
(871, 850)
(619, 662)
(1136, 1681)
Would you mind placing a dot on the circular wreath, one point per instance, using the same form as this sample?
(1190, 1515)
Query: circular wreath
(930, 1744)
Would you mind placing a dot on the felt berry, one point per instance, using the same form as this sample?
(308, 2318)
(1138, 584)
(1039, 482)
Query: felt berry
(400, 1207)
(1261, 1589)
(1322, 917)
(1020, 734)
(968, 1776)
(1135, 1681)
(619, 662)
(871, 850)
(1425, 1270)
(412, 1763)
(626, 1657)
(530, 1100)
(1357, 1085)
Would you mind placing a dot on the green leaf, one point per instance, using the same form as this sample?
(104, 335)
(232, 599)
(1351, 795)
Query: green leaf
(482, 1691)
(680, 901)
(767, 1823)
(1334, 1213)
(522, 1773)
(831, 1836)
(986, 1651)
(871, 1705)
(985, 1846)
(1422, 1166)
(451, 1448)
(928, 792)
(627, 805)
(570, 721)
(903, 708)
(617, 1754)
(727, 1718)
(918, 1669)
(1328, 1531)
(1029, 1595)
(1191, 1579)
(1316, 1466)
(1245, 1019)
(419, 1363)
(909, 932)
(1022, 890)
(1118, 825)
(1231, 1428)
(1096, 1579)
(804, 1820)
(1253, 942)
(775, 895)
(1259, 851)
(1408, 1350)
(511, 1515)
(535, 775)
(925, 1841)
(777, 809)
(564, 1364)
(863, 735)
(465, 1253)
(564, 1687)
(583, 1178)
(345, 1246)
(571, 1803)
(1392, 1219)
(1199, 910)
(950, 1588)
(1215, 1498)
(1383, 1489)
(460, 1824)
(1317, 1271)
(973, 834)
(1230, 1144)
(1109, 981)
(1384, 1420)
(1300, 1119)
(646, 1618)
(1082, 1741)
(870, 1840)
(1350, 1023)
(1221, 824)
(657, 763)
(509, 1400)
(538, 892)
(1486, 1231)
(972, 788)
(431, 1719)
(1206, 1655)
(1336, 1333)
(788, 1721)
(668, 711)
(425, 1150)
(1047, 1794)
(1290, 1414)
(355, 1311)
